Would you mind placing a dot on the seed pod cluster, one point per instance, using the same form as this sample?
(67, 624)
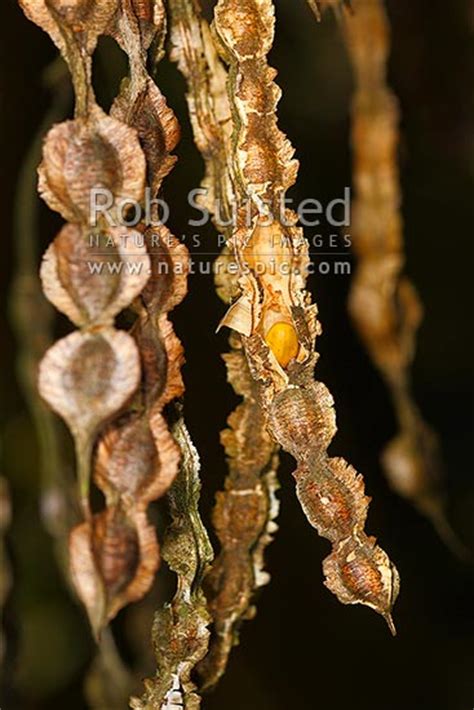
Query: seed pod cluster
(383, 302)
(245, 510)
(272, 256)
(108, 385)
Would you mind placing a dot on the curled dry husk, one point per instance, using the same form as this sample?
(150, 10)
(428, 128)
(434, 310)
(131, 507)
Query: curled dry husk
(245, 510)
(278, 324)
(243, 519)
(383, 302)
(158, 130)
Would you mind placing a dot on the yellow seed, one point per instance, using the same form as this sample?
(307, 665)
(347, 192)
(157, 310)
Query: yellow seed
(283, 342)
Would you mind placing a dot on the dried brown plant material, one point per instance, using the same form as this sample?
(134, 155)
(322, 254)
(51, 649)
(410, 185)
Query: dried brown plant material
(86, 378)
(156, 125)
(243, 520)
(180, 633)
(92, 374)
(94, 297)
(114, 558)
(245, 509)
(108, 683)
(298, 411)
(97, 152)
(180, 630)
(136, 25)
(116, 553)
(86, 19)
(383, 302)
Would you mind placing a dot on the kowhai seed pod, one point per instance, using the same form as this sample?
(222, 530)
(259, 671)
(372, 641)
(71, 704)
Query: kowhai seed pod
(298, 411)
(82, 155)
(247, 506)
(99, 373)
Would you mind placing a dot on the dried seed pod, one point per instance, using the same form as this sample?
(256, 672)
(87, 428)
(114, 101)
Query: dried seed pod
(298, 411)
(137, 24)
(127, 460)
(92, 276)
(74, 27)
(86, 377)
(361, 572)
(82, 155)
(114, 558)
(169, 266)
(156, 125)
(303, 415)
(250, 486)
(331, 493)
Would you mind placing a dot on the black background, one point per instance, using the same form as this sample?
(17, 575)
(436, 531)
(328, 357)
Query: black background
(303, 650)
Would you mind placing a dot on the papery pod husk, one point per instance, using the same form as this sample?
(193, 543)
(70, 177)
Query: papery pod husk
(137, 457)
(169, 271)
(94, 152)
(263, 155)
(87, 377)
(114, 558)
(137, 25)
(89, 296)
(331, 493)
(180, 633)
(299, 411)
(157, 127)
(193, 49)
(127, 461)
(300, 415)
(360, 572)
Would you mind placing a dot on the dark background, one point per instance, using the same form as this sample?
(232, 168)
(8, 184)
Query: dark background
(304, 650)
